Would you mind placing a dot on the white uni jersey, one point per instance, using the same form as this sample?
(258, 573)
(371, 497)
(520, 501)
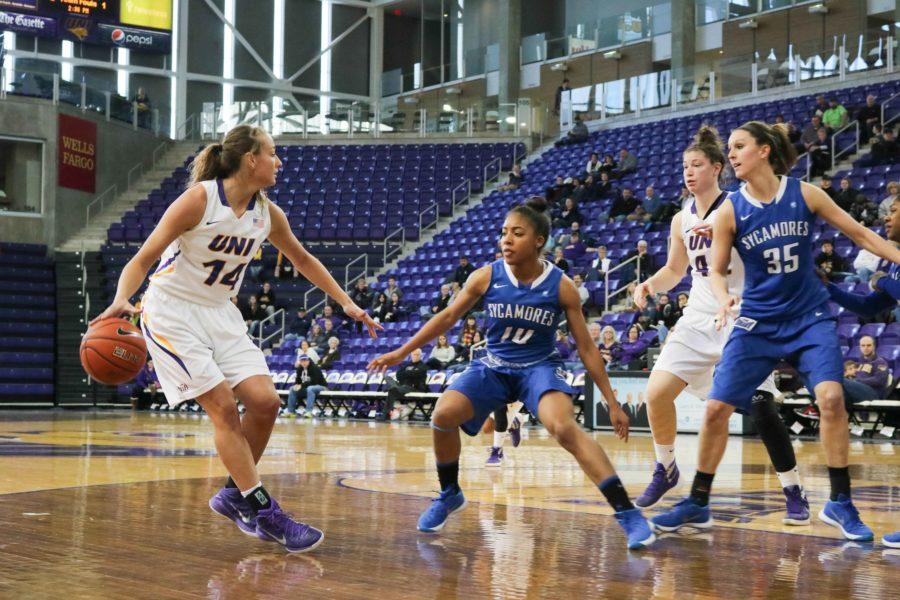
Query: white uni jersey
(699, 249)
(206, 264)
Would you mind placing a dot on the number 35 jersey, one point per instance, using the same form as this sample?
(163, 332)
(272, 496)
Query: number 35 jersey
(699, 251)
(206, 264)
(521, 318)
(775, 242)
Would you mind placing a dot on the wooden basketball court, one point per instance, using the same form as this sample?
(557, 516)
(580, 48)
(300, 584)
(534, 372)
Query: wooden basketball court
(114, 505)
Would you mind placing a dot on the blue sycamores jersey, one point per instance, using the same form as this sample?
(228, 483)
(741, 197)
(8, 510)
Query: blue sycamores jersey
(774, 241)
(521, 319)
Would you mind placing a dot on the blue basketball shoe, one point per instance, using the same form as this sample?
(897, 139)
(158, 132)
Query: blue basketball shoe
(637, 530)
(663, 480)
(842, 514)
(496, 457)
(686, 513)
(515, 431)
(447, 503)
(229, 503)
(891, 540)
(797, 506)
(275, 525)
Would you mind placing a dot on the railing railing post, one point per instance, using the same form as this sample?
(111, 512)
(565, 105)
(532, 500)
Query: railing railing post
(305, 124)
(470, 121)
(606, 280)
(55, 88)
(422, 122)
(834, 153)
(890, 53)
(798, 70)
(83, 104)
(754, 78)
(712, 87)
(134, 115)
(842, 64)
(108, 96)
(603, 102)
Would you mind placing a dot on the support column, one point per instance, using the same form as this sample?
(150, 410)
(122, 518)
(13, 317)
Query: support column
(376, 53)
(684, 32)
(510, 25)
(180, 64)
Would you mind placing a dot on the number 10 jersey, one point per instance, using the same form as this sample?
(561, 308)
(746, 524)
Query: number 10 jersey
(206, 264)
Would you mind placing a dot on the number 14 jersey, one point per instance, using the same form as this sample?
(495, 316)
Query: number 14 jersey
(206, 264)
(699, 248)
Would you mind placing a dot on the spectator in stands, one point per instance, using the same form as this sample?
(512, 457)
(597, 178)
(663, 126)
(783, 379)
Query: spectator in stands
(609, 165)
(794, 136)
(559, 191)
(820, 154)
(308, 350)
(627, 163)
(332, 354)
(865, 265)
(442, 354)
(583, 293)
(146, 387)
(885, 151)
(255, 265)
(284, 269)
(643, 265)
(861, 208)
(455, 288)
(846, 196)
(575, 249)
(564, 237)
(564, 87)
(577, 135)
(392, 288)
(599, 266)
(810, 133)
(317, 338)
(868, 116)
(328, 329)
(299, 325)
(884, 207)
(411, 377)
(310, 382)
(328, 314)
(144, 108)
(253, 314)
(593, 165)
(440, 302)
(603, 188)
(669, 311)
(515, 179)
(588, 191)
(609, 345)
(467, 334)
(265, 297)
(362, 295)
(836, 116)
(596, 332)
(559, 260)
(624, 205)
(568, 215)
(874, 371)
(655, 209)
(380, 307)
(820, 106)
(395, 310)
(828, 188)
(831, 264)
(682, 198)
(462, 272)
(633, 350)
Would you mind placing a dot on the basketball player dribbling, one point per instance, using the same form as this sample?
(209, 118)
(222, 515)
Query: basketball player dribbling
(693, 349)
(524, 296)
(784, 314)
(196, 336)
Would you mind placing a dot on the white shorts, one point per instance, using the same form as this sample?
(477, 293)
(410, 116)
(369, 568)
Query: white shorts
(692, 351)
(196, 347)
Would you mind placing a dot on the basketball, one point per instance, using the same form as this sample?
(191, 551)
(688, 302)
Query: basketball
(113, 351)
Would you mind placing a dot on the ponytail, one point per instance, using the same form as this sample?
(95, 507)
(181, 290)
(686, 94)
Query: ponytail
(782, 154)
(223, 159)
(707, 141)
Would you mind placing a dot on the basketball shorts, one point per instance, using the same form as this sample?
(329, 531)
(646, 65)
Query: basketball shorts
(489, 388)
(693, 349)
(195, 347)
(809, 343)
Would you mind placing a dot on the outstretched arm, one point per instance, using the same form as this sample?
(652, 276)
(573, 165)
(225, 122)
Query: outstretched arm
(590, 354)
(474, 289)
(673, 271)
(724, 230)
(866, 306)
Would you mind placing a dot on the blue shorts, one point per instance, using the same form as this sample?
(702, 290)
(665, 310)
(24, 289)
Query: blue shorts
(809, 342)
(489, 388)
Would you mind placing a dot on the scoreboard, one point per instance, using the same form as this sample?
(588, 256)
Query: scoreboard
(142, 25)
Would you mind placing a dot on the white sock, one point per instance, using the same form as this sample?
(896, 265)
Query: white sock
(498, 439)
(665, 454)
(251, 490)
(789, 478)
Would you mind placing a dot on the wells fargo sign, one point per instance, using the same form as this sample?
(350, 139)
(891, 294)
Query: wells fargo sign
(77, 154)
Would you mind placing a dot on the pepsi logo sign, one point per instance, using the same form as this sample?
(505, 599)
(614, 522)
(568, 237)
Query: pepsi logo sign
(121, 38)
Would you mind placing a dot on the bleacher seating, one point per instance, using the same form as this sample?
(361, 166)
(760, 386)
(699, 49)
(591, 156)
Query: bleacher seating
(27, 323)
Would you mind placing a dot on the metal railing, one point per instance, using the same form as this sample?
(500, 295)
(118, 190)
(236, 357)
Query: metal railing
(388, 254)
(496, 175)
(624, 288)
(101, 201)
(467, 184)
(309, 292)
(188, 129)
(141, 167)
(474, 347)
(260, 337)
(887, 121)
(347, 280)
(808, 157)
(855, 145)
(434, 223)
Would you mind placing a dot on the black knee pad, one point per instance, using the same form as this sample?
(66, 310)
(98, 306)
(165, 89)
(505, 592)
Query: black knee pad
(501, 421)
(763, 406)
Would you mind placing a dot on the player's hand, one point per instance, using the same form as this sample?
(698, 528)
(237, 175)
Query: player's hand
(619, 421)
(640, 294)
(119, 308)
(873, 282)
(382, 363)
(703, 230)
(726, 312)
(358, 314)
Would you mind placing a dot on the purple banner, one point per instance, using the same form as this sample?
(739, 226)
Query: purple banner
(28, 24)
